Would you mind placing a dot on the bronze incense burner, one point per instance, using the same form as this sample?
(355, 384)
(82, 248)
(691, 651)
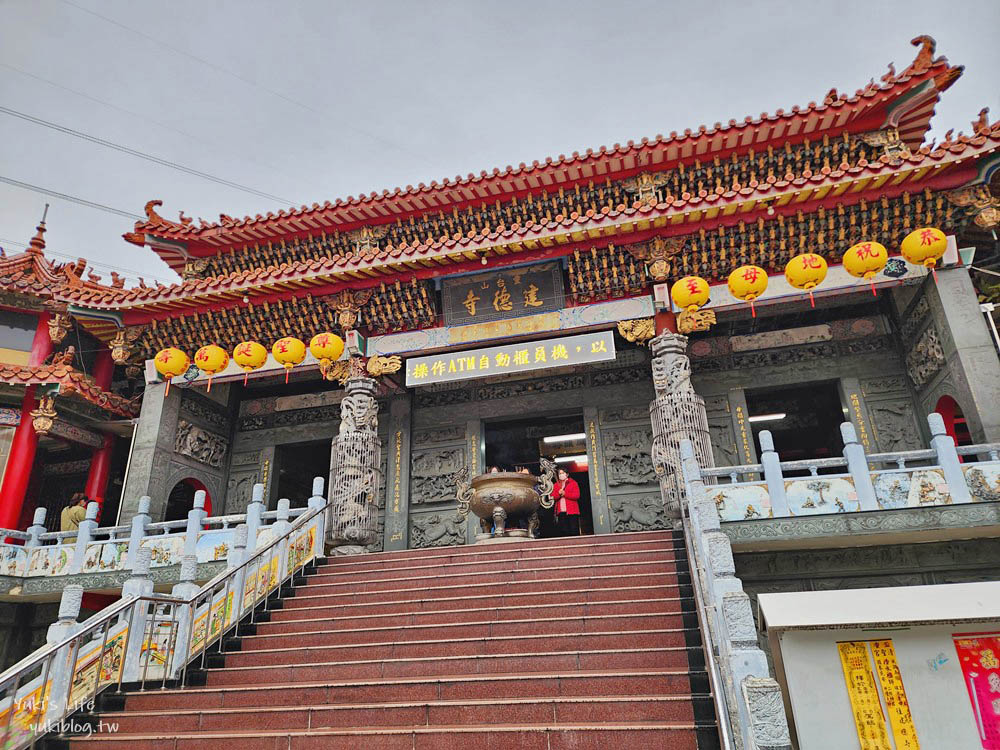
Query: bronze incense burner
(496, 497)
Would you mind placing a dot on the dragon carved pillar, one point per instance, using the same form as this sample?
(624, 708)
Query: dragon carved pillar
(352, 522)
(677, 412)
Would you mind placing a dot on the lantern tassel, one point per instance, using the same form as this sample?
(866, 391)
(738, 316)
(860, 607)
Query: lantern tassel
(167, 391)
(287, 370)
(872, 282)
(934, 273)
(812, 302)
(246, 374)
(753, 311)
(209, 389)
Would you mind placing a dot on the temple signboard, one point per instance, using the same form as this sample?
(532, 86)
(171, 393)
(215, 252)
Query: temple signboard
(512, 292)
(528, 356)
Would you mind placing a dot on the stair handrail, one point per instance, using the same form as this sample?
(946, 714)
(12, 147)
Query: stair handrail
(48, 704)
(712, 669)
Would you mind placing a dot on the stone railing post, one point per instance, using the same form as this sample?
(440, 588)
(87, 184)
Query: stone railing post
(140, 583)
(677, 413)
(84, 536)
(36, 529)
(63, 663)
(237, 555)
(857, 465)
(947, 458)
(185, 588)
(281, 527)
(195, 521)
(138, 531)
(352, 520)
(771, 462)
(316, 502)
(255, 511)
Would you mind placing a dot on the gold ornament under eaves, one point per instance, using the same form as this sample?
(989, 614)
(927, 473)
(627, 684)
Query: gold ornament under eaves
(637, 331)
(698, 320)
(43, 417)
(384, 365)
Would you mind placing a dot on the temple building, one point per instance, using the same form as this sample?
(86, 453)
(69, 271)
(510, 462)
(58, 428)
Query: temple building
(772, 343)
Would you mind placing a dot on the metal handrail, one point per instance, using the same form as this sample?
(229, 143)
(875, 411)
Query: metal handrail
(102, 623)
(715, 681)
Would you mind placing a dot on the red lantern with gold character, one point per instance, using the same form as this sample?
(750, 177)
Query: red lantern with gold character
(211, 360)
(289, 351)
(806, 272)
(250, 356)
(170, 363)
(924, 247)
(690, 293)
(865, 260)
(327, 348)
(748, 283)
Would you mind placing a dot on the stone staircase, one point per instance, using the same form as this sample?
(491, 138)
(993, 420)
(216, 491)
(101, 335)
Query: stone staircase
(590, 642)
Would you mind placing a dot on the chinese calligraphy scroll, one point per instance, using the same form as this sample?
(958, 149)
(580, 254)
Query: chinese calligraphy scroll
(865, 705)
(979, 655)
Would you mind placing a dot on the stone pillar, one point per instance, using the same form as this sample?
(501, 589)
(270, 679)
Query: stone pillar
(677, 413)
(397, 487)
(151, 451)
(970, 357)
(352, 520)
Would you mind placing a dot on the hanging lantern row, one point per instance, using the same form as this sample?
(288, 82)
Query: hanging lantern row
(865, 260)
(249, 356)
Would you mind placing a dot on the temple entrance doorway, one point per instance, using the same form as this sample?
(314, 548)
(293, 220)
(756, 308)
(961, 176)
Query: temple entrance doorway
(512, 444)
(804, 420)
(181, 499)
(297, 465)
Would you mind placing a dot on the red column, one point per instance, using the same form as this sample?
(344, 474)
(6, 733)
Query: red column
(25, 442)
(665, 322)
(100, 462)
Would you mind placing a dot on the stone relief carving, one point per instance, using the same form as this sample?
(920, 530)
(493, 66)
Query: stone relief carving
(201, 445)
(767, 712)
(439, 435)
(431, 474)
(238, 491)
(883, 386)
(246, 459)
(436, 530)
(638, 513)
(915, 317)
(740, 627)
(790, 355)
(293, 418)
(625, 414)
(627, 458)
(894, 425)
(352, 516)
(926, 357)
(204, 410)
(720, 555)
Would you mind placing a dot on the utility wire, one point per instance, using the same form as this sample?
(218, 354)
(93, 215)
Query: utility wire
(97, 265)
(70, 198)
(142, 155)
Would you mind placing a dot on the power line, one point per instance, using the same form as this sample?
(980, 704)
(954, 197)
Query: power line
(70, 198)
(97, 265)
(142, 155)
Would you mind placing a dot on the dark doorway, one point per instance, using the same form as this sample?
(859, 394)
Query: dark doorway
(181, 499)
(804, 420)
(298, 464)
(519, 443)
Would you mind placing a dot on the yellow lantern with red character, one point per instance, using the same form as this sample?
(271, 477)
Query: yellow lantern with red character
(289, 351)
(250, 356)
(327, 348)
(865, 260)
(211, 360)
(170, 363)
(748, 283)
(924, 247)
(689, 293)
(806, 272)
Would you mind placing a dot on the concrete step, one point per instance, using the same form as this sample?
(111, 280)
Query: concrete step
(550, 579)
(521, 661)
(322, 619)
(614, 709)
(491, 687)
(448, 645)
(543, 736)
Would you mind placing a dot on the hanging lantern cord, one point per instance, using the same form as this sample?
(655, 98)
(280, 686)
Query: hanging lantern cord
(812, 302)
(753, 310)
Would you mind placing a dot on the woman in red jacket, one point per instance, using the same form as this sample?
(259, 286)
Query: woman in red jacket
(566, 493)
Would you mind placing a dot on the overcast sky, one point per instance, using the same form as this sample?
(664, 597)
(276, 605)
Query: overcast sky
(311, 100)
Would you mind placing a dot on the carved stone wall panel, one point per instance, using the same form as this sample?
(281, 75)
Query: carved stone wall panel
(926, 357)
(639, 413)
(200, 444)
(627, 456)
(450, 434)
(638, 512)
(204, 412)
(442, 529)
(238, 490)
(431, 474)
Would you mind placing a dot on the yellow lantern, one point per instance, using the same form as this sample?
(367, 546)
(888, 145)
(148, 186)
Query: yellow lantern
(924, 247)
(748, 283)
(170, 363)
(327, 348)
(689, 293)
(289, 351)
(250, 356)
(806, 271)
(211, 360)
(865, 260)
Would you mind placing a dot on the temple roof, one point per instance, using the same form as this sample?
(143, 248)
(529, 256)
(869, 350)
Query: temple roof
(943, 166)
(904, 101)
(71, 382)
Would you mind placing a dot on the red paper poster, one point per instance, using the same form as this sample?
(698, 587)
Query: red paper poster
(979, 655)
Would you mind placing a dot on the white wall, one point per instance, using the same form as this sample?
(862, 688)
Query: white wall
(939, 700)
